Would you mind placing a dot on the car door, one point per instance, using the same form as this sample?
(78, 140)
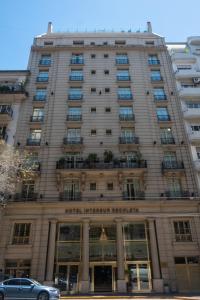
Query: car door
(12, 289)
(27, 289)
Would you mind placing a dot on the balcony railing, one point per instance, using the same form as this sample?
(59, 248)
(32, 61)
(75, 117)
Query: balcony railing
(25, 197)
(172, 165)
(44, 62)
(177, 194)
(123, 78)
(75, 96)
(39, 98)
(153, 62)
(168, 141)
(125, 96)
(163, 118)
(74, 117)
(126, 117)
(36, 119)
(85, 164)
(73, 141)
(42, 79)
(156, 78)
(12, 89)
(122, 61)
(33, 142)
(160, 97)
(76, 77)
(6, 111)
(129, 140)
(137, 195)
(77, 61)
(70, 196)
(186, 237)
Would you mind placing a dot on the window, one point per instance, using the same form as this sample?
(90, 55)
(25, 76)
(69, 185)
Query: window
(110, 186)
(121, 59)
(184, 67)
(159, 93)
(77, 59)
(126, 113)
(170, 160)
(123, 75)
(195, 127)
(166, 136)
(76, 75)
(193, 105)
(75, 93)
(106, 72)
(108, 132)
(107, 90)
(92, 43)
(93, 55)
(6, 109)
(17, 268)
(156, 75)
(43, 76)
(93, 186)
(93, 72)
(28, 187)
(124, 93)
(132, 189)
(13, 282)
(105, 43)
(198, 152)
(40, 95)
(153, 59)
(73, 135)
(74, 114)
(93, 90)
(3, 134)
(120, 42)
(93, 132)
(128, 136)
(106, 56)
(93, 109)
(182, 231)
(162, 114)
(21, 233)
(78, 42)
(48, 43)
(34, 137)
(38, 115)
(71, 190)
(107, 109)
(175, 189)
(149, 42)
(45, 60)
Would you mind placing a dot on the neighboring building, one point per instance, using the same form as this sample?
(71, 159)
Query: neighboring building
(186, 64)
(114, 205)
(12, 93)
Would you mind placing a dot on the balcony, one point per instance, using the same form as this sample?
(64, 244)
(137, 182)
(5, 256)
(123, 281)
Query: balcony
(160, 98)
(191, 113)
(164, 118)
(75, 96)
(74, 118)
(12, 89)
(137, 195)
(76, 77)
(129, 140)
(73, 141)
(36, 119)
(194, 137)
(125, 96)
(123, 78)
(189, 91)
(23, 197)
(172, 166)
(126, 117)
(187, 73)
(77, 61)
(122, 61)
(70, 196)
(172, 195)
(153, 62)
(156, 79)
(42, 79)
(39, 98)
(168, 141)
(45, 62)
(33, 142)
(6, 113)
(183, 56)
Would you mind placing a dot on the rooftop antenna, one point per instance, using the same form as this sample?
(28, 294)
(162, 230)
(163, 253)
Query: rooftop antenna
(49, 28)
(149, 27)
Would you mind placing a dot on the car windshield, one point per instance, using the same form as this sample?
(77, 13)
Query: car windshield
(35, 282)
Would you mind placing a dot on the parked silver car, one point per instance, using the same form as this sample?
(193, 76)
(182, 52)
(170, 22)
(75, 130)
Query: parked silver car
(25, 289)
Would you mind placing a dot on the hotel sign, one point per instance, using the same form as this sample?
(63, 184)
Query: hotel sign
(101, 211)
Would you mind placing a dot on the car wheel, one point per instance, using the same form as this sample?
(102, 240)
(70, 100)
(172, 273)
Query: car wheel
(1, 296)
(43, 296)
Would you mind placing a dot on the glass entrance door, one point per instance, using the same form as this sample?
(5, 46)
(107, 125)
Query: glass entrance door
(103, 278)
(67, 278)
(138, 277)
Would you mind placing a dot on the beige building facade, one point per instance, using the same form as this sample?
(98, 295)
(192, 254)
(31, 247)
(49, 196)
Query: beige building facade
(113, 205)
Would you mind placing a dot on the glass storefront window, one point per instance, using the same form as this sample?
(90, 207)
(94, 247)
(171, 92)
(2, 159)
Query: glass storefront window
(68, 252)
(136, 251)
(135, 231)
(69, 232)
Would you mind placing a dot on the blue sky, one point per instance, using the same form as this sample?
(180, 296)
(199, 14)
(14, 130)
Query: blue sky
(21, 20)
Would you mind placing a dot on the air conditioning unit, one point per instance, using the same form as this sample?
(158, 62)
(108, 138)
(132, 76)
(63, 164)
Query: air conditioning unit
(196, 79)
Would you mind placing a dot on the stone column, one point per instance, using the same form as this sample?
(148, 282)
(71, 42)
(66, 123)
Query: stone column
(51, 252)
(156, 280)
(85, 258)
(121, 283)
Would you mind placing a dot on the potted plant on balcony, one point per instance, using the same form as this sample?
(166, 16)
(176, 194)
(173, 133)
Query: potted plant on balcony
(92, 159)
